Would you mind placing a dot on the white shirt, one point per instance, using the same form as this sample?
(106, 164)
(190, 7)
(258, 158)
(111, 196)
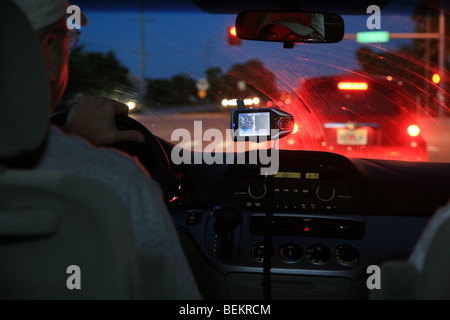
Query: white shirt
(151, 220)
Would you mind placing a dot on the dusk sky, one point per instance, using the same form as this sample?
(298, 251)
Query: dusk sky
(190, 42)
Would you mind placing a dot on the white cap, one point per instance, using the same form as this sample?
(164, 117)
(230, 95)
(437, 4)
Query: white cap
(43, 13)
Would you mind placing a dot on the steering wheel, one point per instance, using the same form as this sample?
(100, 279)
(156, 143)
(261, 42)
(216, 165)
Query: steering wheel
(151, 153)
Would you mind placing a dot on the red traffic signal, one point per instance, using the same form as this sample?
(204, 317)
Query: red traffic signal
(436, 78)
(233, 39)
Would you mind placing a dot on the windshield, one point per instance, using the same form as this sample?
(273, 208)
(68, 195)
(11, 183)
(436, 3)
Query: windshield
(184, 70)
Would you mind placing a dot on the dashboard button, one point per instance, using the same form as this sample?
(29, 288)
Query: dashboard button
(318, 253)
(258, 251)
(325, 192)
(193, 217)
(257, 190)
(290, 252)
(346, 254)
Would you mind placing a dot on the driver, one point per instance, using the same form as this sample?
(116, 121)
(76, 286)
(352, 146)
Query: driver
(93, 119)
(301, 27)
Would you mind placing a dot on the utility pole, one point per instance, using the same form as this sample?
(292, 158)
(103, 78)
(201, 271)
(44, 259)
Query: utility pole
(142, 88)
(405, 35)
(208, 54)
(426, 84)
(441, 63)
(142, 84)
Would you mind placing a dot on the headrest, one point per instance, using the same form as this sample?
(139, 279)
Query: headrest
(24, 88)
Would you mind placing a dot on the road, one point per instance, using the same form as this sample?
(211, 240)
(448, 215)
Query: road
(436, 132)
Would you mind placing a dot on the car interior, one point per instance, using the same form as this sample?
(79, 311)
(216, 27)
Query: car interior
(50, 219)
(309, 230)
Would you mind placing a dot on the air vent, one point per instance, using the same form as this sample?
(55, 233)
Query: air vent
(310, 227)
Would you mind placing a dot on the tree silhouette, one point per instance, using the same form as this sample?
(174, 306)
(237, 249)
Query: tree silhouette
(215, 92)
(95, 73)
(257, 78)
(178, 90)
(181, 89)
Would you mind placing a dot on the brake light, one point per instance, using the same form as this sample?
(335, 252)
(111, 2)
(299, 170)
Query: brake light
(353, 86)
(295, 129)
(413, 130)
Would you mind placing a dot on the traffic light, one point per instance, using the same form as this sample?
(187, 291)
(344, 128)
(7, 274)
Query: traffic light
(436, 78)
(233, 39)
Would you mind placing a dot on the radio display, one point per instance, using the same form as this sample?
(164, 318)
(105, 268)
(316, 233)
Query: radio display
(288, 175)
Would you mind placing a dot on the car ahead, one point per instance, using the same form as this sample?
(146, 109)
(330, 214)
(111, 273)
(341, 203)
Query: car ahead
(356, 116)
(321, 225)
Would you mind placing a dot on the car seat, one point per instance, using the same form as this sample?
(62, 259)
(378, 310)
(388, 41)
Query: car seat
(62, 236)
(425, 274)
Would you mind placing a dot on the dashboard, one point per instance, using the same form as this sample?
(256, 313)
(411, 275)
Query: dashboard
(301, 185)
(309, 232)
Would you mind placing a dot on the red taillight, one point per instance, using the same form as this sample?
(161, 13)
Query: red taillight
(413, 130)
(232, 31)
(353, 86)
(295, 129)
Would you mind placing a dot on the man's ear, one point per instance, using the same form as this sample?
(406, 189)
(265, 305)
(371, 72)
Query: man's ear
(49, 45)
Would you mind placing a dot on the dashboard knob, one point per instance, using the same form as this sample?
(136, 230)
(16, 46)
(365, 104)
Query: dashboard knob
(325, 192)
(318, 253)
(290, 252)
(346, 254)
(257, 190)
(258, 251)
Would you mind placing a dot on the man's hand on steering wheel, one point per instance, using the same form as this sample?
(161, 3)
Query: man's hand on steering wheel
(94, 119)
(105, 122)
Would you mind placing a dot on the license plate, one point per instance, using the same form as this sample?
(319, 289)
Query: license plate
(357, 137)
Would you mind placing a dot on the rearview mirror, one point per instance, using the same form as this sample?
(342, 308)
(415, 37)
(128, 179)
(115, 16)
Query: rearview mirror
(290, 27)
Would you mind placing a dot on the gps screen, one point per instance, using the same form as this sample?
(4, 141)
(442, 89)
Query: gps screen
(254, 124)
